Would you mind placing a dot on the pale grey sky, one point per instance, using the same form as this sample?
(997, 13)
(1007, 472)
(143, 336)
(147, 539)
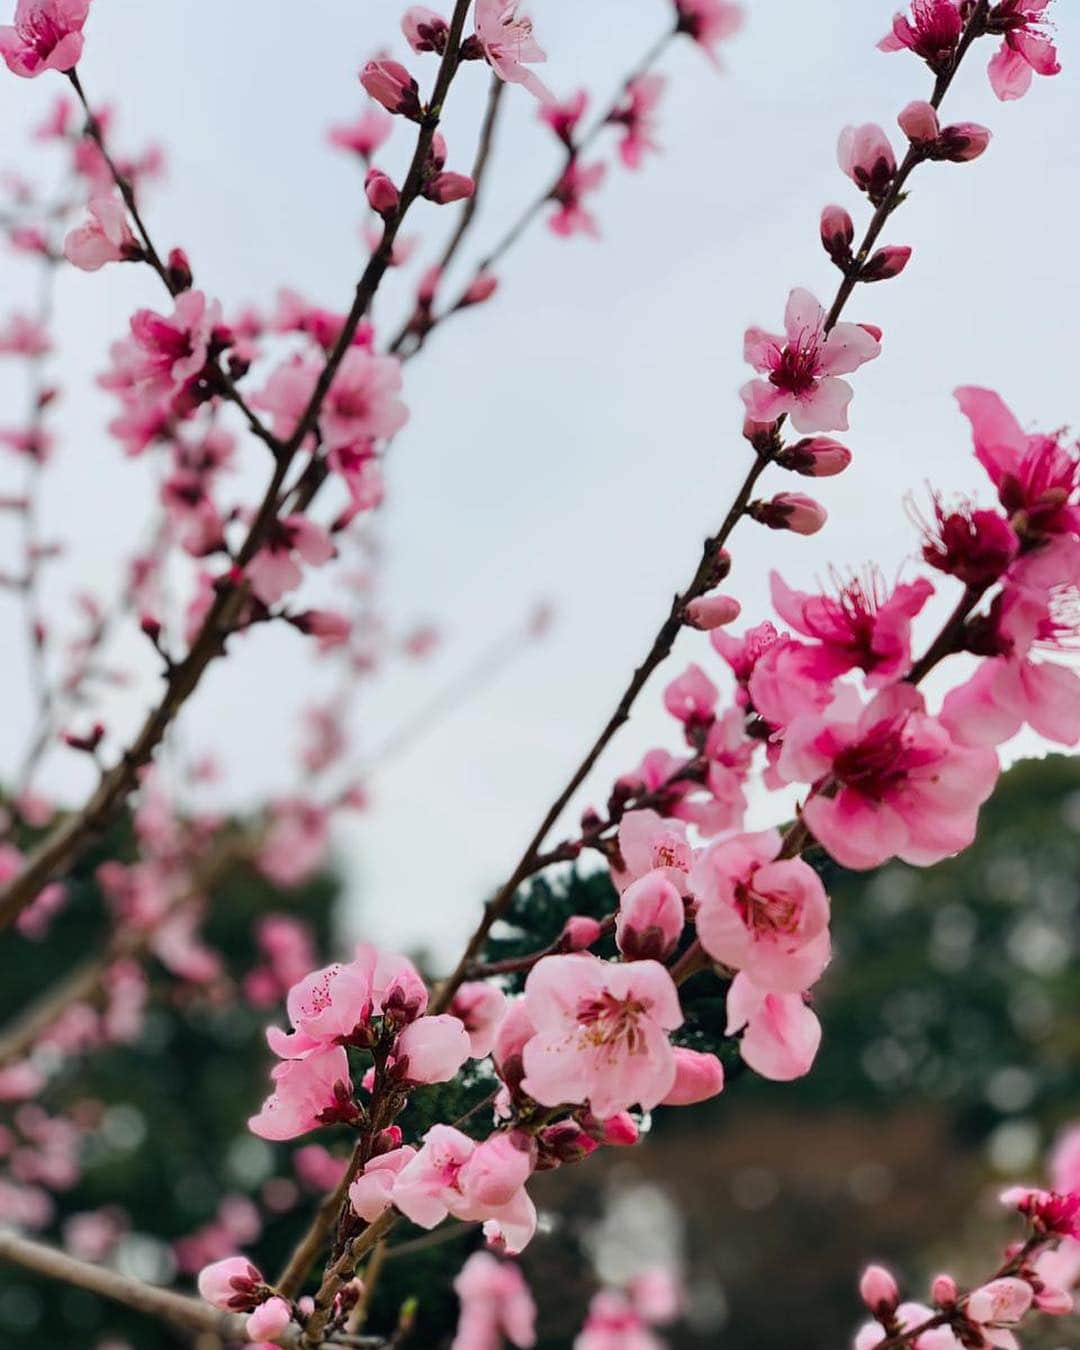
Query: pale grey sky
(578, 437)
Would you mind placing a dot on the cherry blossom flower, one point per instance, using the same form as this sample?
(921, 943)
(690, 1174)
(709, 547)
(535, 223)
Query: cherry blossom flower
(766, 917)
(1000, 1303)
(168, 352)
(361, 406)
(452, 1174)
(709, 22)
(862, 628)
(1049, 1212)
(46, 35)
(509, 46)
(635, 115)
(307, 1093)
(651, 918)
(601, 1033)
(371, 1193)
(901, 786)
(698, 1076)
(1025, 51)
(364, 135)
(481, 1008)
(274, 570)
(296, 843)
(780, 1034)
(650, 843)
(495, 1303)
(866, 156)
(933, 32)
(802, 367)
(613, 1323)
(106, 237)
(563, 118)
(233, 1284)
(572, 218)
(430, 1050)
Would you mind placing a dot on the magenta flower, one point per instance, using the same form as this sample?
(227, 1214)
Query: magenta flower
(862, 628)
(509, 46)
(1053, 1213)
(495, 1303)
(307, 1093)
(932, 32)
(601, 1033)
(765, 917)
(572, 218)
(106, 237)
(1026, 49)
(563, 118)
(169, 352)
(780, 1034)
(709, 22)
(274, 570)
(902, 787)
(46, 35)
(802, 367)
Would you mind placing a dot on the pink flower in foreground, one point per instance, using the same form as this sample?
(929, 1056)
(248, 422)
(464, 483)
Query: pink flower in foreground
(862, 628)
(767, 917)
(1026, 49)
(168, 352)
(601, 1033)
(307, 1093)
(932, 32)
(780, 1034)
(46, 35)
(274, 570)
(1000, 1303)
(802, 367)
(572, 218)
(106, 237)
(509, 46)
(452, 1174)
(234, 1284)
(908, 1316)
(709, 22)
(495, 1302)
(901, 787)
(635, 115)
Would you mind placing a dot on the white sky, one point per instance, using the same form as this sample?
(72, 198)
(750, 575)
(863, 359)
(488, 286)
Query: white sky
(577, 438)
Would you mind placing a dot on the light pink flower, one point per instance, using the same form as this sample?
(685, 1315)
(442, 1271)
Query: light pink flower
(635, 115)
(371, 1193)
(106, 237)
(692, 697)
(269, 1320)
(863, 627)
(307, 1093)
(430, 1050)
(168, 352)
(1026, 49)
(768, 918)
(651, 918)
(46, 35)
(365, 135)
(601, 1033)
(274, 570)
(509, 46)
(712, 611)
(649, 843)
(362, 404)
(296, 843)
(698, 1076)
(481, 1008)
(781, 1034)
(22, 335)
(903, 787)
(452, 1174)
(495, 1302)
(709, 22)
(1000, 1303)
(572, 218)
(802, 367)
(613, 1323)
(866, 155)
(233, 1284)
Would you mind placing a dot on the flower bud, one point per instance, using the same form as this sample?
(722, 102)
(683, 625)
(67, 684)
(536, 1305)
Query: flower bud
(837, 235)
(269, 1320)
(963, 141)
(233, 1284)
(878, 1290)
(698, 1076)
(712, 611)
(179, 271)
(482, 287)
(620, 1131)
(886, 263)
(578, 933)
(651, 919)
(789, 511)
(383, 197)
(919, 123)
(425, 31)
(428, 286)
(815, 457)
(1054, 1302)
(761, 435)
(867, 158)
(943, 1291)
(389, 83)
(449, 187)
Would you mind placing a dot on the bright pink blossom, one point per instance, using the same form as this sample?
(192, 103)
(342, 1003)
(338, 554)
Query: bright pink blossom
(106, 237)
(46, 35)
(892, 782)
(767, 917)
(932, 32)
(780, 1034)
(509, 46)
(649, 843)
(168, 352)
(1050, 1213)
(1026, 49)
(307, 1093)
(601, 1033)
(275, 569)
(802, 367)
(495, 1303)
(691, 697)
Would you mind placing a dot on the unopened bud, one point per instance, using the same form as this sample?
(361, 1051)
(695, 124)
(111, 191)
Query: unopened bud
(919, 123)
(179, 270)
(449, 187)
(789, 511)
(425, 31)
(712, 611)
(887, 262)
(482, 287)
(761, 435)
(943, 1291)
(578, 933)
(837, 235)
(962, 142)
(815, 457)
(389, 83)
(878, 1290)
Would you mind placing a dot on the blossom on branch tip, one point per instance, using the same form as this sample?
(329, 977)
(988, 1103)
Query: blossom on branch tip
(815, 457)
(712, 611)
(933, 32)
(381, 192)
(801, 367)
(233, 1284)
(46, 35)
(837, 235)
(509, 47)
(106, 237)
(780, 1034)
(793, 511)
(1025, 50)
(307, 1093)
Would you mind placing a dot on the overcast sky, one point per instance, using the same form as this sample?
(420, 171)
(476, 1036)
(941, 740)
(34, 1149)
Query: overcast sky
(577, 438)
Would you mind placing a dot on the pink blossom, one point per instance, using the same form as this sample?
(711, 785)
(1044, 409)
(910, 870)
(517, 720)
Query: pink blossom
(365, 135)
(329, 627)
(361, 406)
(862, 628)
(307, 1093)
(46, 35)
(601, 1033)
(1026, 49)
(1001, 1302)
(908, 1317)
(425, 31)
(651, 918)
(572, 218)
(712, 611)
(974, 546)
(959, 143)
(22, 335)
(932, 32)
(234, 1284)
(448, 187)
(635, 115)
(698, 1076)
(371, 1193)
(452, 1174)
(815, 457)
(381, 192)
(709, 22)
(802, 367)
(1049, 1212)
(781, 1034)
(866, 156)
(649, 843)
(274, 570)
(269, 1320)
(766, 917)
(295, 845)
(1037, 477)
(879, 1291)
(613, 1323)
(692, 697)
(509, 46)
(430, 1050)
(495, 1302)
(481, 1008)
(389, 83)
(903, 787)
(106, 237)
(563, 118)
(793, 511)
(168, 352)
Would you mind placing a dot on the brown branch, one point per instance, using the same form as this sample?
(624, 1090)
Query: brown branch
(701, 581)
